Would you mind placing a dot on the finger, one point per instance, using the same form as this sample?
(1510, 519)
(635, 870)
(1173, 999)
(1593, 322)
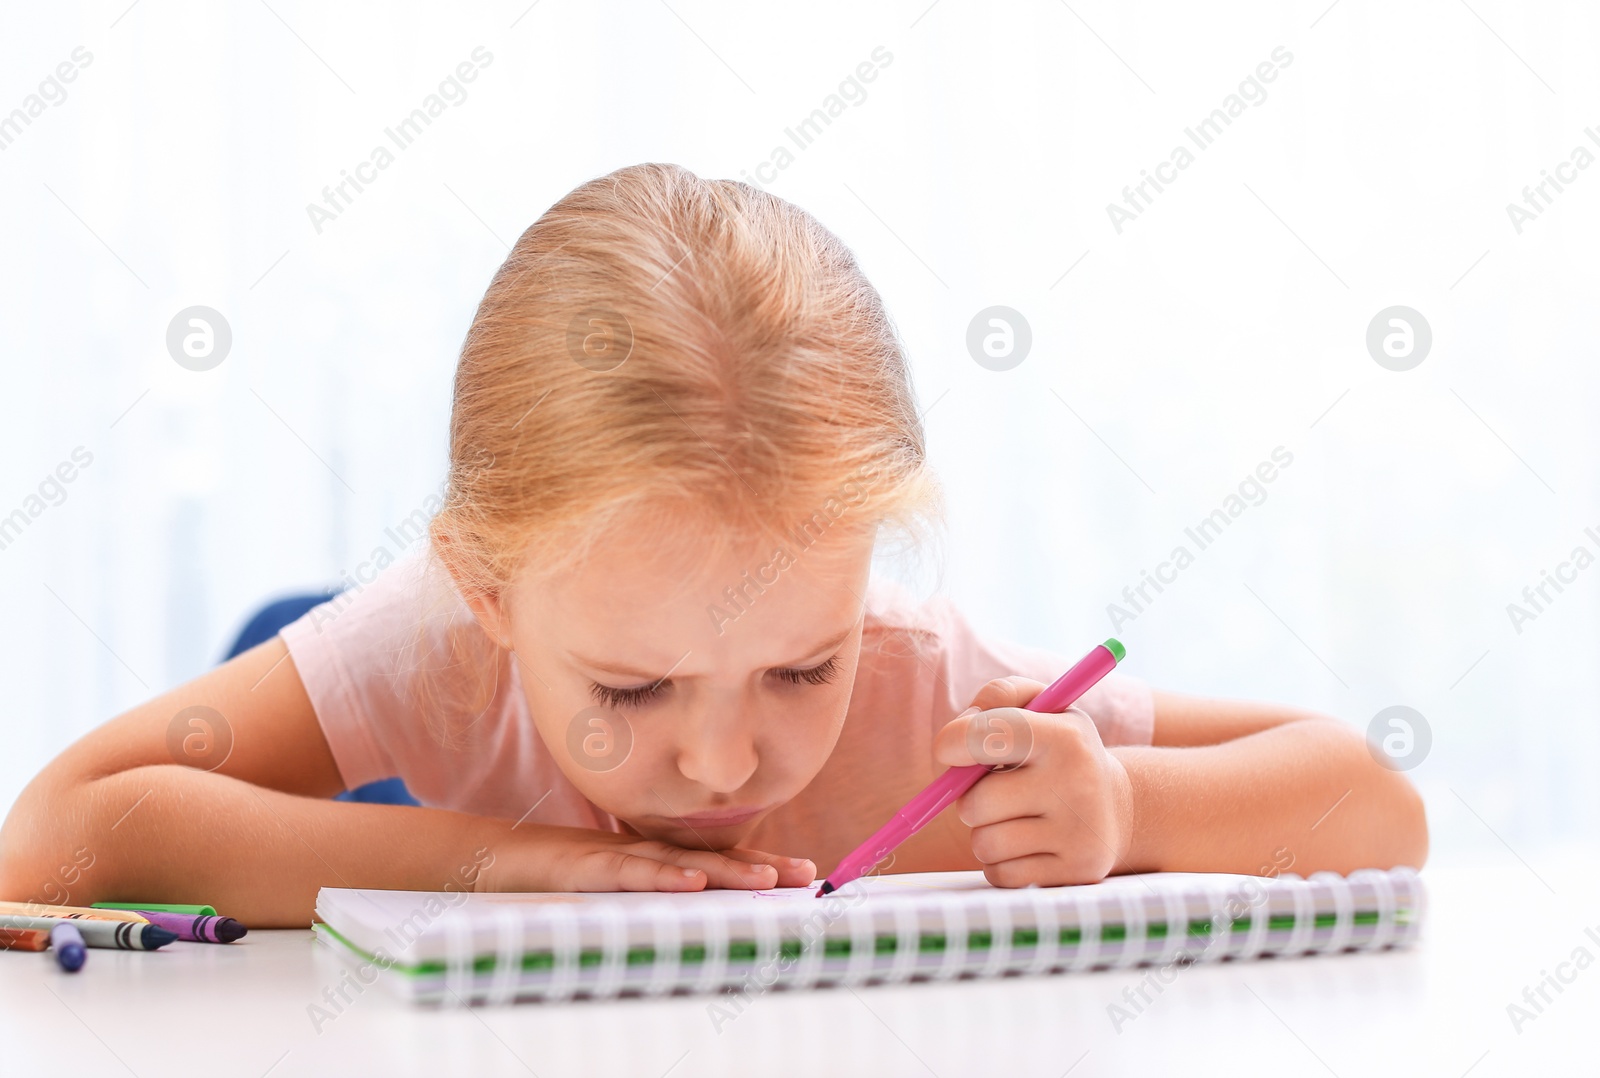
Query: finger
(792, 871)
(996, 798)
(1044, 869)
(967, 739)
(722, 869)
(1047, 870)
(618, 870)
(1001, 737)
(999, 842)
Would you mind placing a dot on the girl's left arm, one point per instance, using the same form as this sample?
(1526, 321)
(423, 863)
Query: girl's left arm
(1233, 786)
(1227, 786)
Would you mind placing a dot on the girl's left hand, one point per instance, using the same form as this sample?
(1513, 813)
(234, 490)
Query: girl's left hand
(1060, 811)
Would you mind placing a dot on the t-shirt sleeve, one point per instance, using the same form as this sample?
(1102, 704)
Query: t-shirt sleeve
(962, 661)
(337, 647)
(376, 664)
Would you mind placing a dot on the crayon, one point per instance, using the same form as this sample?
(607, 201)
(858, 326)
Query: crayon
(23, 939)
(199, 929)
(67, 942)
(119, 935)
(44, 909)
(159, 907)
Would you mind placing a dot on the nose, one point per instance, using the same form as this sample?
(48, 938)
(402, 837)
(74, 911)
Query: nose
(717, 749)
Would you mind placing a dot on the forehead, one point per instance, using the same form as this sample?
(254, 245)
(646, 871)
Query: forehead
(646, 598)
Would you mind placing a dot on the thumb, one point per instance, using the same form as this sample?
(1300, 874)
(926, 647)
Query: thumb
(1012, 691)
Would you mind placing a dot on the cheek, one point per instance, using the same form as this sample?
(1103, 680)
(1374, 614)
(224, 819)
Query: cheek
(607, 755)
(804, 735)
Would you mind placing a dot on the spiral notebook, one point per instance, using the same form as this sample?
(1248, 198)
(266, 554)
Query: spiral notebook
(458, 947)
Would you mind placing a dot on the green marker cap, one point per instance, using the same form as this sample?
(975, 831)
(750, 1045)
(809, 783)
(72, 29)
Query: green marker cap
(158, 907)
(1114, 646)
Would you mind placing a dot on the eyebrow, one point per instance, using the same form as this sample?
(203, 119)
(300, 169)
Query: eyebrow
(623, 670)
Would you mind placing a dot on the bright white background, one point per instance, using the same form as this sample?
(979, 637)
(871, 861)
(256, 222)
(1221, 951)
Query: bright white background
(1167, 361)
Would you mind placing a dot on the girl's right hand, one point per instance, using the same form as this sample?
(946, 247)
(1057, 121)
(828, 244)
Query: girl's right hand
(536, 857)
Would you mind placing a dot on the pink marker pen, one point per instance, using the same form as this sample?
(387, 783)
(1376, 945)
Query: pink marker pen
(1058, 696)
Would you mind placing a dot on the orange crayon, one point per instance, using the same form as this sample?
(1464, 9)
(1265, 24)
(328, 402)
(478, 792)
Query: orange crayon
(24, 939)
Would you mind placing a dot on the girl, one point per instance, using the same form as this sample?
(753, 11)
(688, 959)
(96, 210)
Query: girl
(642, 650)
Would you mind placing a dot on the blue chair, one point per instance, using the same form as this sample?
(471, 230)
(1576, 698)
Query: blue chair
(263, 627)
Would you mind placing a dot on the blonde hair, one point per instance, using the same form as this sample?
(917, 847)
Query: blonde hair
(660, 350)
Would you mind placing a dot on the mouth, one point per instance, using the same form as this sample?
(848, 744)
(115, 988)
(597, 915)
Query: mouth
(720, 818)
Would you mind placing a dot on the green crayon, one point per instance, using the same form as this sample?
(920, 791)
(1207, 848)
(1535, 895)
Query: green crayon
(159, 907)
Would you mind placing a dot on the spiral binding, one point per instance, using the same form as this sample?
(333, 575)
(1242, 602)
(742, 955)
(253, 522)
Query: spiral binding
(508, 957)
(1344, 909)
(767, 930)
(954, 919)
(863, 945)
(714, 938)
(998, 909)
(666, 941)
(808, 970)
(1177, 938)
(1086, 915)
(458, 963)
(1219, 940)
(1305, 913)
(1255, 941)
(907, 944)
(1135, 932)
(1048, 926)
(1383, 894)
(564, 947)
(613, 951)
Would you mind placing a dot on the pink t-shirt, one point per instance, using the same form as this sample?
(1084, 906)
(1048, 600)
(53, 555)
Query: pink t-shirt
(383, 662)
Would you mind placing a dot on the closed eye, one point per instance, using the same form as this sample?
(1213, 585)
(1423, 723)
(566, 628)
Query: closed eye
(637, 696)
(820, 674)
(610, 696)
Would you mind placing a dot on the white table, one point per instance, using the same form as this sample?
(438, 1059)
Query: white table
(1438, 1009)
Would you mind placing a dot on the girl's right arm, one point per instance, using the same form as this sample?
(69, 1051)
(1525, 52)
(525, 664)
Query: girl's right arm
(117, 816)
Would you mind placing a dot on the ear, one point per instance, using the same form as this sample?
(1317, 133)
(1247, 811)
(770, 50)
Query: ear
(489, 611)
(487, 605)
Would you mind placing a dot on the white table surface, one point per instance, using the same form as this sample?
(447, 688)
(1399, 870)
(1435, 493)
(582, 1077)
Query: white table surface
(1436, 1009)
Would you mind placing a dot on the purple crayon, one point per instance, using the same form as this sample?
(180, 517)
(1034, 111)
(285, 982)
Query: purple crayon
(196, 928)
(67, 942)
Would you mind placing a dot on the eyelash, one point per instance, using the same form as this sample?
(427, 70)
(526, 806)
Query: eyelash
(610, 696)
(820, 674)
